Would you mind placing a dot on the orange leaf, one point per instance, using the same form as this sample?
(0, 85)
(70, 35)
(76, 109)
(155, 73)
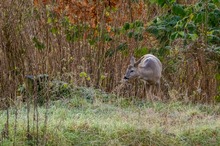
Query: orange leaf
(85, 3)
(36, 2)
(108, 28)
(108, 19)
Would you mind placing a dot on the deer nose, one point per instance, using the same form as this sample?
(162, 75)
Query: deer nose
(126, 78)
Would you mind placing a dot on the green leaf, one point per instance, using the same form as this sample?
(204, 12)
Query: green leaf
(83, 74)
(153, 30)
(130, 34)
(49, 20)
(109, 53)
(211, 6)
(68, 37)
(72, 35)
(217, 76)
(200, 17)
(122, 47)
(178, 10)
(214, 18)
(92, 42)
(161, 2)
(181, 33)
(217, 12)
(65, 85)
(217, 2)
(193, 36)
(191, 27)
(217, 98)
(214, 32)
(140, 52)
(164, 50)
(153, 1)
(138, 36)
(107, 38)
(173, 20)
(54, 30)
(126, 26)
(217, 49)
(138, 24)
(65, 21)
(140, 29)
(174, 35)
(39, 45)
(88, 78)
(213, 39)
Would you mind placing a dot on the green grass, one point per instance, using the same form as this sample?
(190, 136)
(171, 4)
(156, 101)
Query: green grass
(90, 117)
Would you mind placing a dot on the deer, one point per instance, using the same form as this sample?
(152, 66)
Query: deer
(148, 69)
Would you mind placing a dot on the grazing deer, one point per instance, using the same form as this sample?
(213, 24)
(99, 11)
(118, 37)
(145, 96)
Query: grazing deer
(148, 68)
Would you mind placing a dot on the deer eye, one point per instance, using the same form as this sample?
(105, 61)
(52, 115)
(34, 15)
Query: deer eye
(132, 71)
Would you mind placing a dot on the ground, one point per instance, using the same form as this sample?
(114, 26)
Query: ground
(92, 117)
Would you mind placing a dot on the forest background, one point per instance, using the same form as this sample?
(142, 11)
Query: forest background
(89, 43)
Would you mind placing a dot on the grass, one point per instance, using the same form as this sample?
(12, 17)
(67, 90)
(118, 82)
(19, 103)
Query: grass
(91, 117)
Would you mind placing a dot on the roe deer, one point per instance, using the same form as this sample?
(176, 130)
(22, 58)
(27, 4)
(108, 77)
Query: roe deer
(148, 68)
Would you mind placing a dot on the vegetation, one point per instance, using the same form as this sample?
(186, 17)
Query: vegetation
(92, 117)
(61, 63)
(88, 43)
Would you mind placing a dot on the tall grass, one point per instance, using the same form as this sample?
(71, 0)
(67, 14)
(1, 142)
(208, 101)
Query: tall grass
(35, 39)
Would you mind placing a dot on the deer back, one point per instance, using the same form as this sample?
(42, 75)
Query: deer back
(149, 68)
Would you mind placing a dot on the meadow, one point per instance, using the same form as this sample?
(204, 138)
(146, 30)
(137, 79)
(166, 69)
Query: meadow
(93, 117)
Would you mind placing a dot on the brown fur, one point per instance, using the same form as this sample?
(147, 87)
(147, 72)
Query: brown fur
(148, 68)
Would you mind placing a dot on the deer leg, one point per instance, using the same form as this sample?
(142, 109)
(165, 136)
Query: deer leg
(150, 92)
(145, 89)
(158, 91)
(154, 92)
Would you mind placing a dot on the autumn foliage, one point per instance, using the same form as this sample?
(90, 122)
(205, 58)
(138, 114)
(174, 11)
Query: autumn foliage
(92, 12)
(89, 43)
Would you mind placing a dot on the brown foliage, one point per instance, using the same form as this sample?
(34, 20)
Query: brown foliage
(85, 11)
(65, 59)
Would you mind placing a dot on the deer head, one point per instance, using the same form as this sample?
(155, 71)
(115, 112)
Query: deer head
(132, 70)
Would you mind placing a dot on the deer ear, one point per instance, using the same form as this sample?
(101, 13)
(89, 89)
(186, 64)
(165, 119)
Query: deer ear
(132, 60)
